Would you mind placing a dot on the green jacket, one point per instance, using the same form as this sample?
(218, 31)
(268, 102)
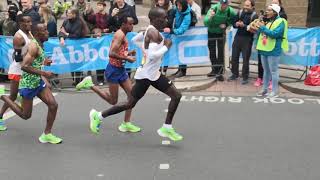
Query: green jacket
(221, 17)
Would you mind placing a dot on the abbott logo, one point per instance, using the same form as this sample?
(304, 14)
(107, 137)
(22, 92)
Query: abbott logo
(193, 52)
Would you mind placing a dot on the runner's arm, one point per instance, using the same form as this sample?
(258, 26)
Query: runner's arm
(115, 46)
(28, 59)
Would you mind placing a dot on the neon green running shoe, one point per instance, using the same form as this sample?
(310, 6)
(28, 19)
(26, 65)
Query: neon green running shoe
(169, 133)
(94, 121)
(128, 127)
(86, 83)
(3, 126)
(50, 138)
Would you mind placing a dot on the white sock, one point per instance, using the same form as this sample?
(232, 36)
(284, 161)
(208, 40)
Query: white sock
(169, 126)
(100, 116)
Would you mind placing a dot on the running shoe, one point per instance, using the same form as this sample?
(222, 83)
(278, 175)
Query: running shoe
(129, 127)
(86, 83)
(3, 126)
(50, 138)
(169, 133)
(94, 121)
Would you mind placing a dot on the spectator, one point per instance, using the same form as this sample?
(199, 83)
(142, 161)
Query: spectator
(258, 82)
(41, 3)
(81, 6)
(242, 43)
(73, 27)
(48, 19)
(282, 14)
(182, 21)
(119, 10)
(272, 42)
(195, 8)
(9, 25)
(27, 8)
(219, 17)
(131, 3)
(100, 20)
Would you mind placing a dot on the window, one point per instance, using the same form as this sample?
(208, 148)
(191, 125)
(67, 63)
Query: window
(313, 13)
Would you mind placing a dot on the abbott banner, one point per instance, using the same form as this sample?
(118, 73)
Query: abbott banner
(304, 47)
(93, 53)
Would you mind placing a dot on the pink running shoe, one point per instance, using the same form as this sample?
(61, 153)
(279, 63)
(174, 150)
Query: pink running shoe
(258, 82)
(270, 85)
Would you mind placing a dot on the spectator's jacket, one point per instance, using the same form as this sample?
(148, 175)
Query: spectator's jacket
(273, 38)
(127, 10)
(52, 27)
(221, 17)
(182, 21)
(73, 27)
(8, 27)
(100, 21)
(34, 15)
(246, 18)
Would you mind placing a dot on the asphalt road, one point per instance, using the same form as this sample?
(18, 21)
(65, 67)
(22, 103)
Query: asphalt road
(224, 138)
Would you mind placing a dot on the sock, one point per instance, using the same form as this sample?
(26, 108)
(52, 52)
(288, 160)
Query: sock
(100, 116)
(168, 126)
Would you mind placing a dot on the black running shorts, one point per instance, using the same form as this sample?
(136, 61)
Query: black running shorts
(141, 86)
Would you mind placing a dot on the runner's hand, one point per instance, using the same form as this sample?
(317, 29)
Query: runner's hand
(168, 43)
(47, 74)
(131, 59)
(47, 62)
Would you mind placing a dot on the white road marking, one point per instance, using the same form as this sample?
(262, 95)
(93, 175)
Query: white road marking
(164, 166)
(166, 142)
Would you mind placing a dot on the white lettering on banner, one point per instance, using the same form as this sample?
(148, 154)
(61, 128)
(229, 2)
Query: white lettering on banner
(78, 56)
(300, 48)
(57, 55)
(73, 53)
(296, 101)
(314, 48)
(215, 99)
(260, 100)
(88, 52)
(103, 55)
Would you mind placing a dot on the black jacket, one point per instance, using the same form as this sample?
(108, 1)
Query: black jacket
(73, 27)
(34, 16)
(127, 10)
(246, 18)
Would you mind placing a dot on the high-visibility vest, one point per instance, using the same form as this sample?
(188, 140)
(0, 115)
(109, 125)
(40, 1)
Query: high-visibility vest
(271, 42)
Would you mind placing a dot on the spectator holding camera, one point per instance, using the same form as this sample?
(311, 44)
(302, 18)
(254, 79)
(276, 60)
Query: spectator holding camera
(272, 42)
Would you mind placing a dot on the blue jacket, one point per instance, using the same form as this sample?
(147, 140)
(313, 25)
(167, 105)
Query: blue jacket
(275, 34)
(182, 21)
